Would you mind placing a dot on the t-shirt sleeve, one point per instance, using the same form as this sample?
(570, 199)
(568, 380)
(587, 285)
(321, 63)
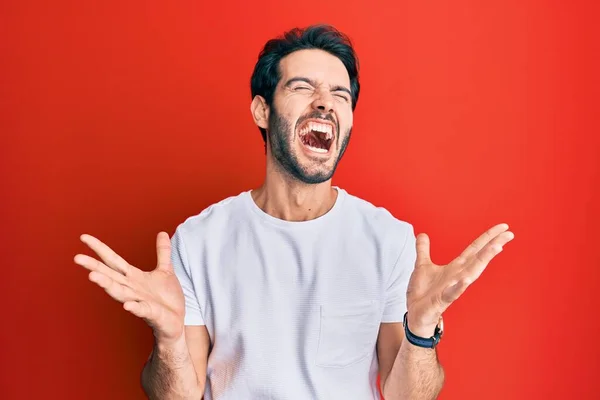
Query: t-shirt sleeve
(395, 305)
(183, 271)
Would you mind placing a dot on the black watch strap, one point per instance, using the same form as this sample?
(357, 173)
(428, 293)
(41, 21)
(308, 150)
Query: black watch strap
(429, 343)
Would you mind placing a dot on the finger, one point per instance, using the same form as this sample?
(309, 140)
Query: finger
(484, 256)
(140, 309)
(493, 248)
(114, 289)
(163, 250)
(484, 239)
(92, 264)
(110, 258)
(423, 255)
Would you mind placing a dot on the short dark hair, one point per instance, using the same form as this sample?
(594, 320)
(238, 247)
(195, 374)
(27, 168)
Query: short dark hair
(267, 74)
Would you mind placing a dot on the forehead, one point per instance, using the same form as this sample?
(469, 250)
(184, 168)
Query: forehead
(315, 64)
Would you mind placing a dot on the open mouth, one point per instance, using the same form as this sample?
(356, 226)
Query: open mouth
(317, 136)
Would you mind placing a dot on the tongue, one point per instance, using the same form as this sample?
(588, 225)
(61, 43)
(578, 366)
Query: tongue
(314, 139)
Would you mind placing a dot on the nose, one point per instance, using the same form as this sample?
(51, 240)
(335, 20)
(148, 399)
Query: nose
(323, 101)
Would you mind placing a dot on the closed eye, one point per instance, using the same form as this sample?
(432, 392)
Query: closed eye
(342, 96)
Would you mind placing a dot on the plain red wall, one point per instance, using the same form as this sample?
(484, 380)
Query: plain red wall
(121, 119)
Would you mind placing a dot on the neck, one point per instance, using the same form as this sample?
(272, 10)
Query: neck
(288, 199)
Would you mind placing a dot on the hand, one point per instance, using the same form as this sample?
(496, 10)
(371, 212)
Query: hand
(154, 296)
(432, 288)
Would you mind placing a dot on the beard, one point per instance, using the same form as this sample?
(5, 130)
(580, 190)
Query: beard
(280, 134)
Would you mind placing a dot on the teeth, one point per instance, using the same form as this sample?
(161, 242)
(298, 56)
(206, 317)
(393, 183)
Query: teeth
(317, 127)
(316, 149)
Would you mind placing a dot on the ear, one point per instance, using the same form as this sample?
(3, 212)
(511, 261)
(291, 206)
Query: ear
(260, 112)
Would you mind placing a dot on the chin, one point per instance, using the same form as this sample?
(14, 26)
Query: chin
(313, 168)
(311, 154)
(314, 178)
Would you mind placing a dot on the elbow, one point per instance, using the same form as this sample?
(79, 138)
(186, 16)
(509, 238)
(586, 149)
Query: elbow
(440, 381)
(428, 387)
(144, 381)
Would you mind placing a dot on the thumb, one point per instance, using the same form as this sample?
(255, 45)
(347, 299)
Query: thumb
(454, 291)
(423, 255)
(163, 250)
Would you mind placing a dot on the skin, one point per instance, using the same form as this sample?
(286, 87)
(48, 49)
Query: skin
(284, 194)
(297, 187)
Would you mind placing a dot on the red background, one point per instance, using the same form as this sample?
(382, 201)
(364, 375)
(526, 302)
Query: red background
(121, 119)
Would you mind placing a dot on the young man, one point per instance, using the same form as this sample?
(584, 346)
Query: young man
(297, 289)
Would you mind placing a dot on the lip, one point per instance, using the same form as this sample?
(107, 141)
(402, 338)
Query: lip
(314, 154)
(322, 121)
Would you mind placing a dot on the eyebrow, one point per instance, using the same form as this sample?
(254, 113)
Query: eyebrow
(336, 88)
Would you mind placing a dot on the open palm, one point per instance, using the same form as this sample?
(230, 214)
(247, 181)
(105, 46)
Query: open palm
(154, 296)
(432, 288)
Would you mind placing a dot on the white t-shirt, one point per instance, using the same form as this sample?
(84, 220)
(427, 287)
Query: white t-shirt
(293, 308)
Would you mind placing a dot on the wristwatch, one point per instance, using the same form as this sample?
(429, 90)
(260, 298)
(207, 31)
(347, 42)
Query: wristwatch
(429, 343)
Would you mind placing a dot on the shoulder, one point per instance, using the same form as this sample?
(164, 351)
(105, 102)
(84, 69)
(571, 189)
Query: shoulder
(376, 217)
(375, 224)
(215, 217)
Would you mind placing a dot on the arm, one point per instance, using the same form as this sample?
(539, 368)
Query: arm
(177, 370)
(411, 372)
(407, 371)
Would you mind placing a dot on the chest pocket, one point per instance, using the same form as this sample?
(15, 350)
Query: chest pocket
(347, 333)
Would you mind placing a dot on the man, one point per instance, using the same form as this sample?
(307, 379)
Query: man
(297, 289)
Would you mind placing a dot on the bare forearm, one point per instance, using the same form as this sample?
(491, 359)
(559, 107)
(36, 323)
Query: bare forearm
(169, 373)
(416, 374)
